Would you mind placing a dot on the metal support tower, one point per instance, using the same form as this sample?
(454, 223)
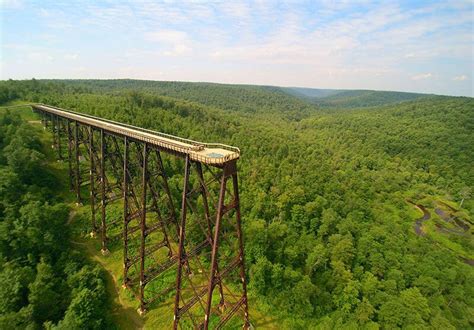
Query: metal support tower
(197, 302)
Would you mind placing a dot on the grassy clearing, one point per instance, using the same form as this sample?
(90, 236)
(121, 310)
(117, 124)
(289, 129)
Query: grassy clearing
(123, 306)
(24, 111)
(462, 245)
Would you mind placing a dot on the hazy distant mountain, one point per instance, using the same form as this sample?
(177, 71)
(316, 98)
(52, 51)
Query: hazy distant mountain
(310, 92)
(351, 98)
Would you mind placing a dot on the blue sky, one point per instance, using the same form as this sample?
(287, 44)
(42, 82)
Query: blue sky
(422, 46)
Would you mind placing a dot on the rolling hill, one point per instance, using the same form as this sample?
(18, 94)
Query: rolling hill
(351, 98)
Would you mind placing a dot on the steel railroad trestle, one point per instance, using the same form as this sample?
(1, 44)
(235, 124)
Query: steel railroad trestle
(195, 253)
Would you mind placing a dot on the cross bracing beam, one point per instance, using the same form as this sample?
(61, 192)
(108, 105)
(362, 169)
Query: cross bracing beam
(125, 168)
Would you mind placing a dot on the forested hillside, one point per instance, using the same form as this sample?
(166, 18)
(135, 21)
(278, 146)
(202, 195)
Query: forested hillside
(245, 99)
(364, 98)
(44, 281)
(331, 200)
(310, 93)
(334, 98)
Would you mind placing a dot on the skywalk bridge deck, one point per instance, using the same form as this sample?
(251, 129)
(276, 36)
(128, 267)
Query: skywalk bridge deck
(207, 153)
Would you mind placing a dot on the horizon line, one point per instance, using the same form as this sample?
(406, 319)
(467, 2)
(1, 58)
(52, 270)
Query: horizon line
(246, 84)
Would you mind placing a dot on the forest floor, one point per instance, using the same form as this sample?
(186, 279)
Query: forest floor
(123, 305)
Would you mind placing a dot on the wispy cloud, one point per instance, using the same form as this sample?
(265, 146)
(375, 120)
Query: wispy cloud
(72, 57)
(168, 36)
(11, 4)
(240, 10)
(422, 76)
(460, 78)
(175, 42)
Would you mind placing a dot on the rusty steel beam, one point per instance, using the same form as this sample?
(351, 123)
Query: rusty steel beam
(92, 179)
(238, 219)
(182, 230)
(69, 154)
(125, 212)
(60, 154)
(56, 130)
(207, 215)
(103, 214)
(143, 226)
(77, 177)
(215, 246)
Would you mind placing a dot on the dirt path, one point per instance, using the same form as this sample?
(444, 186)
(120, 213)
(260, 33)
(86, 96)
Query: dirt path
(71, 217)
(126, 316)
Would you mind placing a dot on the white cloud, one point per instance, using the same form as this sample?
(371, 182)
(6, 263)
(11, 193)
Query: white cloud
(45, 13)
(422, 76)
(174, 42)
(237, 9)
(178, 49)
(11, 4)
(169, 36)
(71, 56)
(460, 78)
(40, 56)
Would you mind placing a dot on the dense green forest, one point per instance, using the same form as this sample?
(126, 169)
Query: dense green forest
(327, 198)
(44, 281)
